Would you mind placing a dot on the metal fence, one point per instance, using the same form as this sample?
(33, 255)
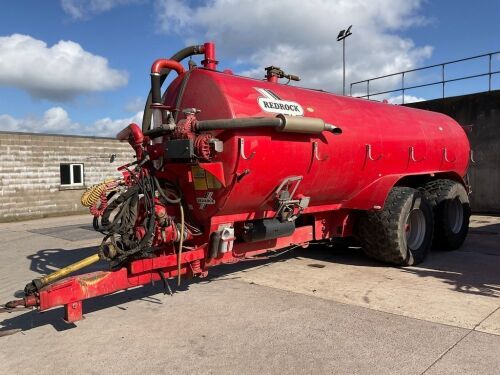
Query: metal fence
(441, 82)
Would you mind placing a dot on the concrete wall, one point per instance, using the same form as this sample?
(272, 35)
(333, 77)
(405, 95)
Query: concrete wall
(482, 111)
(30, 172)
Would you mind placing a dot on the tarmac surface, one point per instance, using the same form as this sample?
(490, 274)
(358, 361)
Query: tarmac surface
(320, 310)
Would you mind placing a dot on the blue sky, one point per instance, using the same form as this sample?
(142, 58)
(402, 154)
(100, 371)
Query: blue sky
(388, 36)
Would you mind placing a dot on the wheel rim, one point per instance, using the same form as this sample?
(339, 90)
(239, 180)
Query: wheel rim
(455, 213)
(415, 229)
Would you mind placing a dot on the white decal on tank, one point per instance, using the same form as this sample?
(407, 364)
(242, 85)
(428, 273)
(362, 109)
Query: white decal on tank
(206, 200)
(270, 102)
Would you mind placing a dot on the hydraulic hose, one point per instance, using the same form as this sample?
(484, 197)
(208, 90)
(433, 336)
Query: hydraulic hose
(179, 56)
(92, 194)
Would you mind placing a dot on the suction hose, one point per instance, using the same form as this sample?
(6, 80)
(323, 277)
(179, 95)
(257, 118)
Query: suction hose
(179, 56)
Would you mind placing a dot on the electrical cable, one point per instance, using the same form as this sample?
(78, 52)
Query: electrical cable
(177, 198)
(181, 242)
(123, 222)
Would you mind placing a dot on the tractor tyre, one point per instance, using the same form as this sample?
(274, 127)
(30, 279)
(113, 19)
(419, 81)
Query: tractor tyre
(400, 233)
(450, 203)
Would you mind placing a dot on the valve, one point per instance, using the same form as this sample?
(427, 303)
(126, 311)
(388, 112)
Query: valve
(273, 73)
(190, 111)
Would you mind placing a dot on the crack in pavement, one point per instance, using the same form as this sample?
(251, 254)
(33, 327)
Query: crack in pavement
(459, 341)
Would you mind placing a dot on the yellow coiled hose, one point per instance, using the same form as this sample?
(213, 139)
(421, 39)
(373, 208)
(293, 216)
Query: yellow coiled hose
(93, 193)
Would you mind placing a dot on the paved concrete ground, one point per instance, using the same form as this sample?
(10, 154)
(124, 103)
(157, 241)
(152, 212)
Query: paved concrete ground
(310, 311)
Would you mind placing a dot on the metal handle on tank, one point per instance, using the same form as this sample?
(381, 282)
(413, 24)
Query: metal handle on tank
(368, 148)
(241, 142)
(411, 150)
(316, 153)
(445, 156)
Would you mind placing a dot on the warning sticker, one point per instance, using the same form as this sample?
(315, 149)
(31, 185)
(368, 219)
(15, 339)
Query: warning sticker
(206, 200)
(212, 182)
(199, 180)
(203, 180)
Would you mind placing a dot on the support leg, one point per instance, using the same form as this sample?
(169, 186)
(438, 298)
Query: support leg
(73, 312)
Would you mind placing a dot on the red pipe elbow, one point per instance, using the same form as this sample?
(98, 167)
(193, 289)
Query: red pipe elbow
(132, 134)
(160, 64)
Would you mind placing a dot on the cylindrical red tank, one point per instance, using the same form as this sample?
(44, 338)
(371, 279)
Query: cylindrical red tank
(380, 144)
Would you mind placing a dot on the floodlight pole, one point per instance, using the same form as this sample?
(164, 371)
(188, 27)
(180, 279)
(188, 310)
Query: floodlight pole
(343, 66)
(343, 34)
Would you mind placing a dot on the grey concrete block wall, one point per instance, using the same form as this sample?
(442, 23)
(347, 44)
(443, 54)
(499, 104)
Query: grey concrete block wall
(30, 182)
(481, 112)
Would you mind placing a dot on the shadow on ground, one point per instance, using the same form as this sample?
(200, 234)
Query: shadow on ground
(468, 270)
(48, 260)
(472, 269)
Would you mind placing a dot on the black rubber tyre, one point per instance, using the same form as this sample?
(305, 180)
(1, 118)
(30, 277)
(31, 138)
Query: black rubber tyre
(450, 203)
(400, 233)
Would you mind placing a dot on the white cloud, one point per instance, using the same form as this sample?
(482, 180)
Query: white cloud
(53, 120)
(135, 105)
(300, 36)
(57, 121)
(82, 9)
(408, 99)
(59, 72)
(109, 127)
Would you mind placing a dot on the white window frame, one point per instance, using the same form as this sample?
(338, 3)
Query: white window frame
(71, 178)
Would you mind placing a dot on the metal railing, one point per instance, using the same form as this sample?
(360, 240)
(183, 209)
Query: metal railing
(441, 82)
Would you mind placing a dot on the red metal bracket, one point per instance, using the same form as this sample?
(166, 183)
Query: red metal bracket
(73, 312)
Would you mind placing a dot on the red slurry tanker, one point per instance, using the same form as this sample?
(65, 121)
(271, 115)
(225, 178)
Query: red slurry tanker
(229, 167)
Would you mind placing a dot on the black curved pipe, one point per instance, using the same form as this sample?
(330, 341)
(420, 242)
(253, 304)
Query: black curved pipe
(156, 87)
(157, 132)
(179, 56)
